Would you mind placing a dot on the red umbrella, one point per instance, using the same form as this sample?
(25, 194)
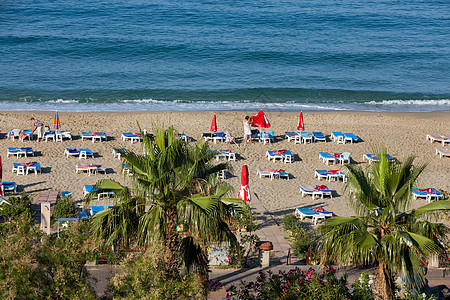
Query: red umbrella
(244, 192)
(301, 125)
(260, 120)
(214, 124)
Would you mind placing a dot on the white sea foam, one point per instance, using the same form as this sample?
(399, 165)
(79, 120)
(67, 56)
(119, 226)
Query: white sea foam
(63, 101)
(412, 102)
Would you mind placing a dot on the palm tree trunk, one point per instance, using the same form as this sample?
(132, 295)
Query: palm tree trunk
(203, 271)
(171, 243)
(384, 283)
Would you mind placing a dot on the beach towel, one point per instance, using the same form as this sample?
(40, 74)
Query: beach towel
(332, 171)
(336, 154)
(280, 152)
(321, 187)
(429, 190)
(98, 133)
(30, 163)
(318, 209)
(22, 135)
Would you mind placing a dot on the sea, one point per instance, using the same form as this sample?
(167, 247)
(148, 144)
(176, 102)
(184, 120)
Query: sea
(276, 55)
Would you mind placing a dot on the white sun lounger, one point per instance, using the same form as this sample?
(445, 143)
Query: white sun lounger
(328, 157)
(90, 169)
(439, 138)
(442, 152)
(226, 154)
(302, 213)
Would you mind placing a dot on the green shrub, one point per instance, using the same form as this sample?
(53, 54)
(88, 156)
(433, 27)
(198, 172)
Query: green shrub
(362, 287)
(303, 242)
(143, 278)
(18, 207)
(294, 284)
(64, 208)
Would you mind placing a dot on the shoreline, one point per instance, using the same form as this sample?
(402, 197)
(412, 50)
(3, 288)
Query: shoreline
(402, 133)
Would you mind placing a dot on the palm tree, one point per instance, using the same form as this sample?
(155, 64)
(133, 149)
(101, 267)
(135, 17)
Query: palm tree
(179, 183)
(385, 231)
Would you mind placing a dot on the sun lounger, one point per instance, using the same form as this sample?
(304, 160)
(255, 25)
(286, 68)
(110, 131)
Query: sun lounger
(330, 174)
(329, 157)
(84, 153)
(439, 138)
(274, 155)
(272, 173)
(49, 135)
(304, 138)
(266, 136)
(71, 151)
(428, 194)
(442, 152)
(283, 155)
(184, 137)
(214, 136)
(348, 136)
(310, 190)
(25, 168)
(90, 169)
(319, 136)
(133, 137)
(291, 136)
(100, 136)
(116, 153)
(8, 186)
(26, 133)
(65, 134)
(13, 133)
(316, 214)
(96, 209)
(372, 157)
(226, 154)
(338, 137)
(25, 151)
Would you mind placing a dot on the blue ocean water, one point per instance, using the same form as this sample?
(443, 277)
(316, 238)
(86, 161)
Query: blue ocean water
(225, 55)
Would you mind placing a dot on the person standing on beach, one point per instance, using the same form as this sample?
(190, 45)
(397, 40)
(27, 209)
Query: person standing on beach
(247, 129)
(38, 126)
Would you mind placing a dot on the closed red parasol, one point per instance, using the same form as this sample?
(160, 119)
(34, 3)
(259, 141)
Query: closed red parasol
(301, 125)
(260, 120)
(244, 192)
(214, 124)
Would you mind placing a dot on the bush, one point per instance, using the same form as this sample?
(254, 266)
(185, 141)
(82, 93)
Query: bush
(64, 208)
(18, 207)
(303, 242)
(144, 278)
(362, 287)
(294, 284)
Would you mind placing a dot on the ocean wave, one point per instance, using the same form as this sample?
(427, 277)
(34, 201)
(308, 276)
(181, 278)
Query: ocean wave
(63, 101)
(445, 102)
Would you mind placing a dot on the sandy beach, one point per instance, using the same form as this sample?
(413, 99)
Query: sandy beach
(402, 133)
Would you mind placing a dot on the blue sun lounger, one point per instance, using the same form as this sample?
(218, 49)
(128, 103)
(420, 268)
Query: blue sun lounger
(309, 213)
(348, 136)
(96, 209)
(428, 194)
(319, 136)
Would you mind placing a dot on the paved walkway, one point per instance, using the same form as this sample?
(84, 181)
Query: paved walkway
(271, 231)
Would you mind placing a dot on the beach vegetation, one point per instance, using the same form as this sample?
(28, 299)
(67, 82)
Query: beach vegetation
(177, 184)
(303, 241)
(64, 208)
(385, 232)
(293, 284)
(144, 277)
(17, 207)
(36, 266)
